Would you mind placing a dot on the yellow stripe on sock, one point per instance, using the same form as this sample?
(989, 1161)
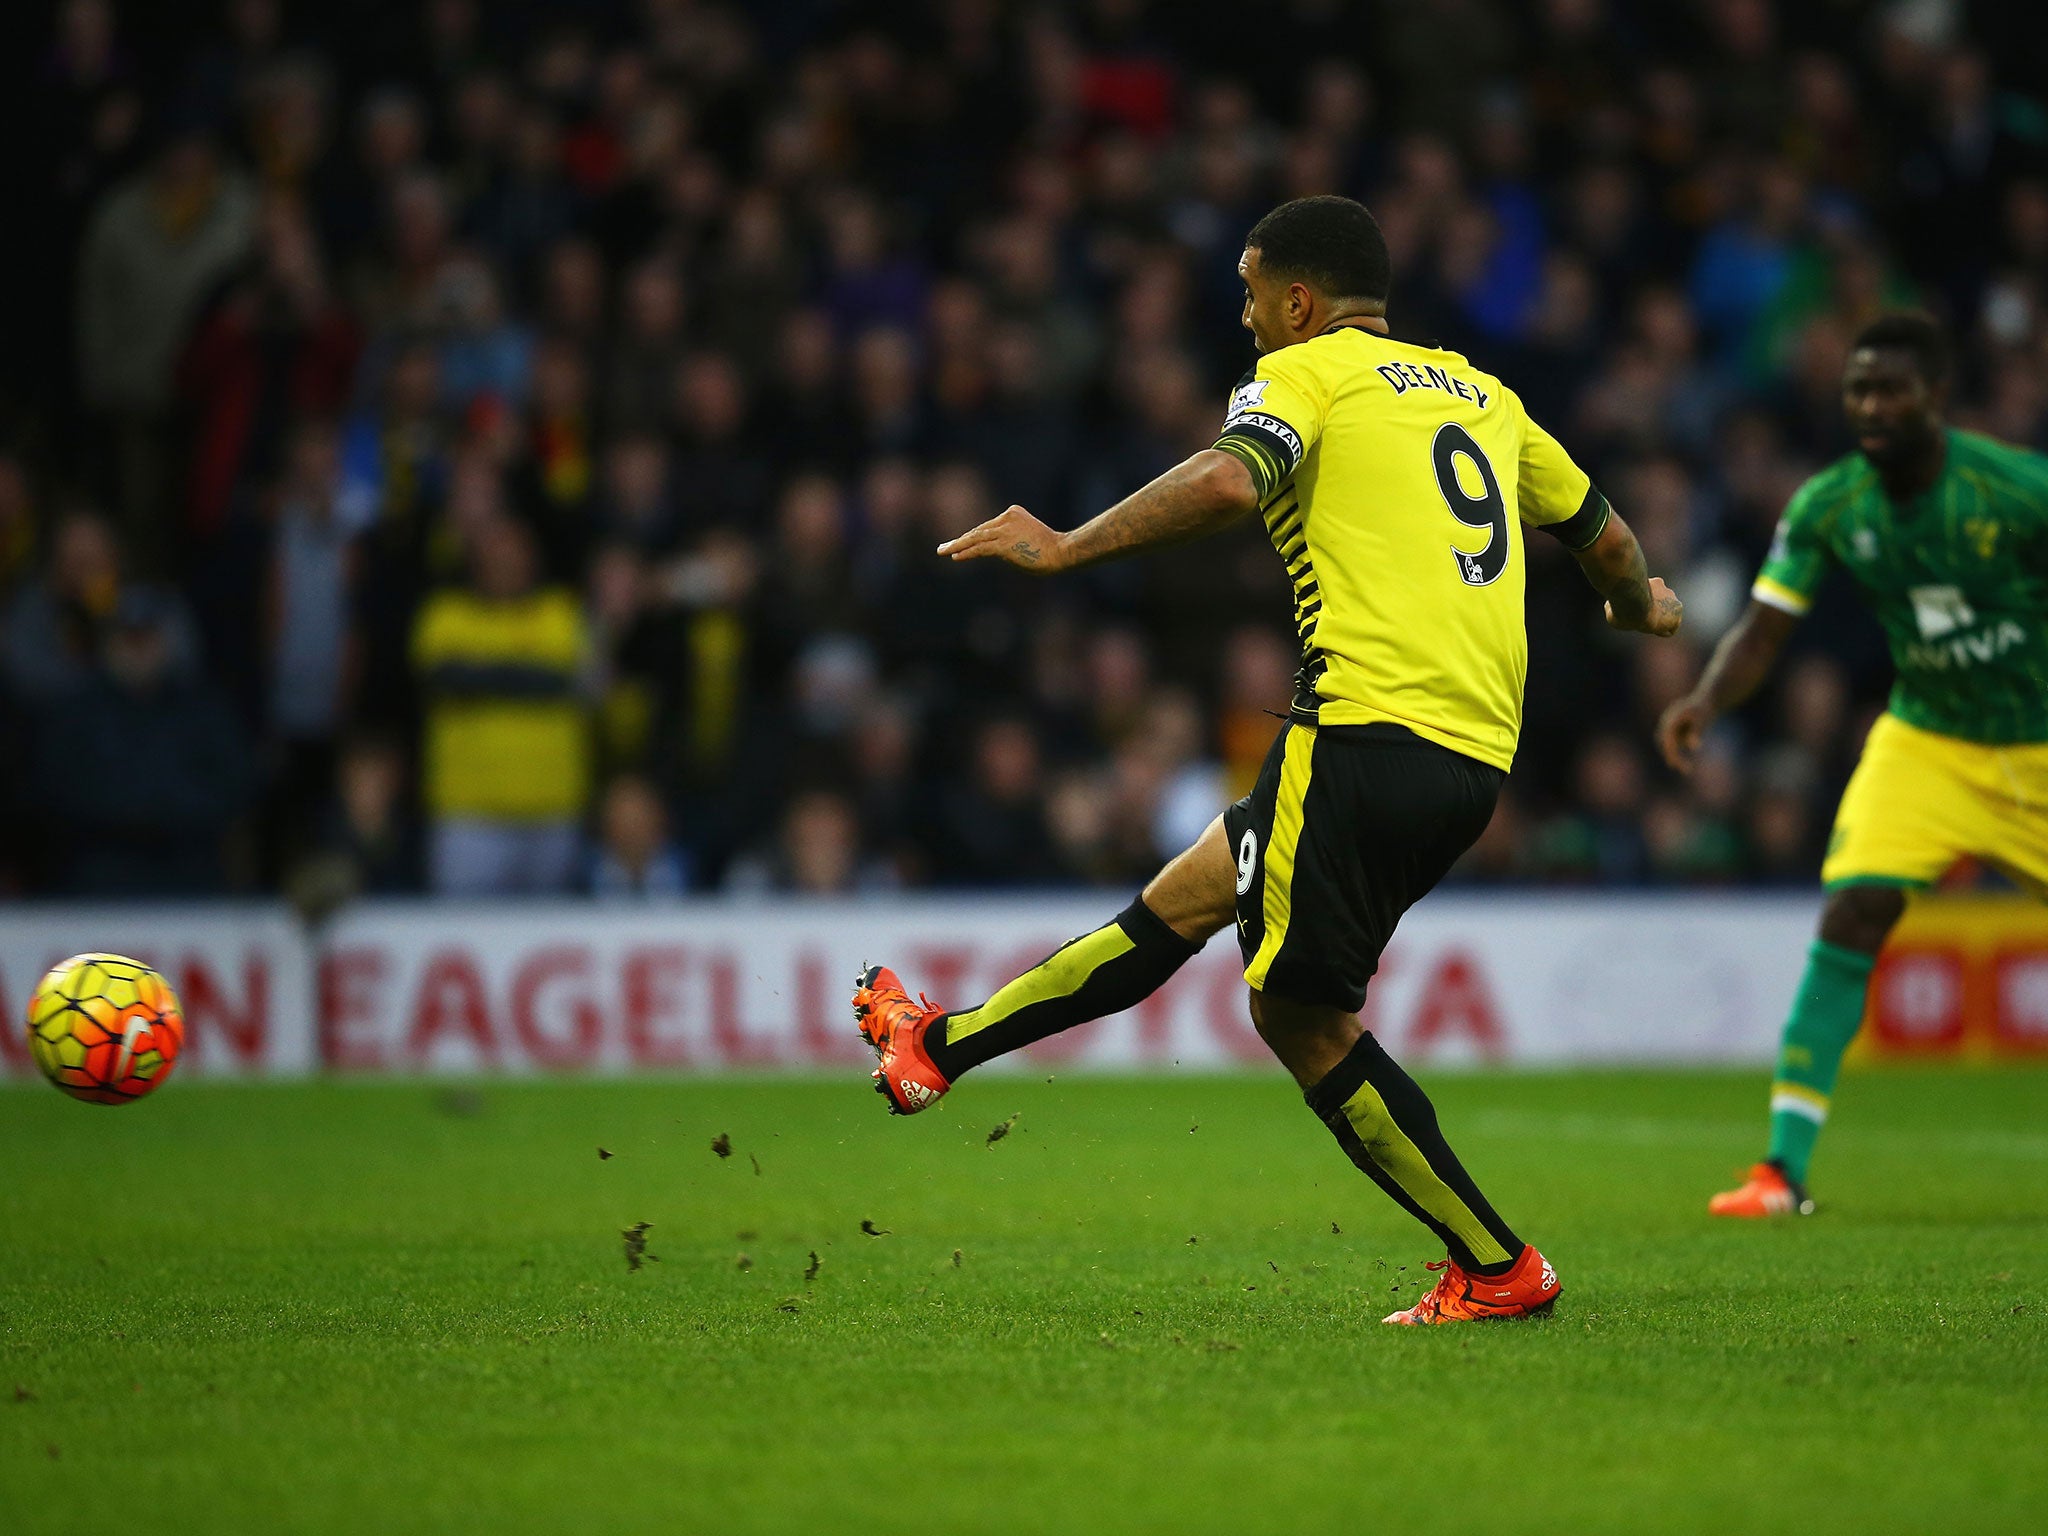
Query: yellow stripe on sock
(1060, 974)
(1280, 848)
(1402, 1161)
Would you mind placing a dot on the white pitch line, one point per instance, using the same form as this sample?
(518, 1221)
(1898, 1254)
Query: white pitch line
(1642, 1130)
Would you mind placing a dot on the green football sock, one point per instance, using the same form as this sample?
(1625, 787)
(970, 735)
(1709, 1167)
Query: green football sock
(1825, 1016)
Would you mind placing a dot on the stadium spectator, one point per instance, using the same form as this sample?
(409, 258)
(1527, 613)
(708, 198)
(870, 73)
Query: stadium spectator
(1601, 840)
(155, 248)
(140, 770)
(486, 360)
(634, 858)
(881, 757)
(1080, 815)
(1782, 829)
(560, 471)
(277, 344)
(1190, 782)
(1693, 839)
(366, 840)
(635, 510)
(501, 664)
(394, 450)
(642, 356)
(991, 826)
(817, 851)
(57, 626)
(310, 648)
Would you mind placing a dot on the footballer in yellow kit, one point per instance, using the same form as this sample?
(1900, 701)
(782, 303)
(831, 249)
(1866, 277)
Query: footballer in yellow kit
(1394, 481)
(1410, 619)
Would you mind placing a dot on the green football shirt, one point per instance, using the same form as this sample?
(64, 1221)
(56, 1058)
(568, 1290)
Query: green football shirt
(1958, 576)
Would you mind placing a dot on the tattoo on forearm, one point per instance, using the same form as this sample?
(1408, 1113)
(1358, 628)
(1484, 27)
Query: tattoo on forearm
(1631, 597)
(1627, 583)
(1176, 507)
(1636, 575)
(1620, 574)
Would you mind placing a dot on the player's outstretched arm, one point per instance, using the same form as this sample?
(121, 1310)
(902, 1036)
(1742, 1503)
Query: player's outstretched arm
(1196, 497)
(1636, 600)
(1740, 664)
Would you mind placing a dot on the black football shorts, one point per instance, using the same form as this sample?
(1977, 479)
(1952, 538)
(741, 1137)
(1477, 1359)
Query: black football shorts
(1347, 827)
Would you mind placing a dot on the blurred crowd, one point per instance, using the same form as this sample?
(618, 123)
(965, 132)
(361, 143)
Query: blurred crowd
(498, 448)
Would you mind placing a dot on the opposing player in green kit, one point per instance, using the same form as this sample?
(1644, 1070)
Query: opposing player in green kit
(1946, 535)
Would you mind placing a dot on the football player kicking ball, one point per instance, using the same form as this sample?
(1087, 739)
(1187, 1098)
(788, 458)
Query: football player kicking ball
(1946, 533)
(1394, 481)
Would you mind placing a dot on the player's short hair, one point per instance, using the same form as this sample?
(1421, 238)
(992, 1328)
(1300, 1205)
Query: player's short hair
(1913, 331)
(1332, 243)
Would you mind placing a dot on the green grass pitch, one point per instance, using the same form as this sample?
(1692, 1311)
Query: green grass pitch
(403, 1307)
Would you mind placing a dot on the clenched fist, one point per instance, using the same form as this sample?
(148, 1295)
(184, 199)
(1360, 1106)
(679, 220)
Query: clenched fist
(1662, 619)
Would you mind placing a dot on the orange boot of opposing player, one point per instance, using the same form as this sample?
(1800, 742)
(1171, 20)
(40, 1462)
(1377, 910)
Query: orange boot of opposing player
(1530, 1289)
(895, 1026)
(1765, 1193)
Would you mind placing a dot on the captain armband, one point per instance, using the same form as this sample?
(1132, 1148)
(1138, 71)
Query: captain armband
(1268, 447)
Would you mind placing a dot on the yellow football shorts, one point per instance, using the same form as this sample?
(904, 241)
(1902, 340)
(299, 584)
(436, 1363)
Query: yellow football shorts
(1919, 801)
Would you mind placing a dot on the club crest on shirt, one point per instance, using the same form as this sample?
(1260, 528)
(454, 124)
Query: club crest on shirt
(1982, 532)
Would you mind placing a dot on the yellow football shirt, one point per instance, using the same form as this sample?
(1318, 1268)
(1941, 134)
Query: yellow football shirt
(507, 730)
(1394, 481)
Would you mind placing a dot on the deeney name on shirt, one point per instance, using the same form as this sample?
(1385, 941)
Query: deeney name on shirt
(1406, 376)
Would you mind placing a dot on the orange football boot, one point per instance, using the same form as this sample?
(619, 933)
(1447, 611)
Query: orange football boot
(1530, 1289)
(895, 1026)
(1767, 1192)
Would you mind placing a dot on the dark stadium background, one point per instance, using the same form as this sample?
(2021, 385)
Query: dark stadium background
(737, 310)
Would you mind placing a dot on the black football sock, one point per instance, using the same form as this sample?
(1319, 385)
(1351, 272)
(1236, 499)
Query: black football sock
(1091, 977)
(1386, 1124)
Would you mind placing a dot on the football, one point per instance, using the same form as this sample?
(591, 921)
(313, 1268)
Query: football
(105, 1028)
